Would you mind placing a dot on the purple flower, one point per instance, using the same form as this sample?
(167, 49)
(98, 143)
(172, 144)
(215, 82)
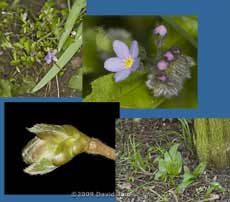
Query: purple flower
(162, 65)
(51, 56)
(169, 56)
(160, 30)
(126, 61)
(162, 78)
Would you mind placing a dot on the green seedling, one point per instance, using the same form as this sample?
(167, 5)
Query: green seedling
(171, 165)
(190, 177)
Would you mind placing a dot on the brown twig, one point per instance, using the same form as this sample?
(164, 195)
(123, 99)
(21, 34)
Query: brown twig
(97, 147)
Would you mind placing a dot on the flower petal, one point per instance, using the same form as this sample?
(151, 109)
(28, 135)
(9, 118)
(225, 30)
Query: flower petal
(160, 30)
(162, 65)
(55, 59)
(121, 49)
(119, 76)
(54, 52)
(114, 64)
(48, 60)
(134, 50)
(135, 64)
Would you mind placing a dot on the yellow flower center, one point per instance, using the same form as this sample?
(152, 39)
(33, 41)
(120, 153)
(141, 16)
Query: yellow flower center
(128, 62)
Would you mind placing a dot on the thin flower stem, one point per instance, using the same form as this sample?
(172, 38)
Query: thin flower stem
(57, 83)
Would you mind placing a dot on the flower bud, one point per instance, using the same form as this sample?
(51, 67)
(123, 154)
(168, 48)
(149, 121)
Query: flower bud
(160, 30)
(55, 145)
(162, 65)
(168, 56)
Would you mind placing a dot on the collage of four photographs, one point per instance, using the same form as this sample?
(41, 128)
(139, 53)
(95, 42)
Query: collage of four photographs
(53, 53)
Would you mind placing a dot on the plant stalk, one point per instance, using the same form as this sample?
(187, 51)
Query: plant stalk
(97, 147)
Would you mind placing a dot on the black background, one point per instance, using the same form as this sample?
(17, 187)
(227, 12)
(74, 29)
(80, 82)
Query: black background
(85, 173)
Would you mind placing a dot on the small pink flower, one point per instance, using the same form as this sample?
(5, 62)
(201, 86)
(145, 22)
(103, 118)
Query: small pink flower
(162, 65)
(160, 30)
(169, 56)
(162, 78)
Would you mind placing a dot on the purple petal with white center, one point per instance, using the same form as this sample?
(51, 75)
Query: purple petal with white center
(119, 76)
(134, 50)
(121, 49)
(135, 64)
(114, 64)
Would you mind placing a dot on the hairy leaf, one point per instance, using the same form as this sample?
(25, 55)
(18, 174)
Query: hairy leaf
(131, 93)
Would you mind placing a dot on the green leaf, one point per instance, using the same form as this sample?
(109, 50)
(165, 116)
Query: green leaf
(75, 81)
(131, 92)
(188, 179)
(62, 61)
(212, 187)
(71, 20)
(189, 24)
(103, 42)
(180, 30)
(24, 87)
(199, 169)
(3, 4)
(5, 88)
(173, 150)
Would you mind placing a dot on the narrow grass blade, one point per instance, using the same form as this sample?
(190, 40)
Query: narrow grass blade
(62, 61)
(71, 19)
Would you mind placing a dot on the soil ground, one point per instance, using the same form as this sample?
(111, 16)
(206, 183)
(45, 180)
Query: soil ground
(152, 136)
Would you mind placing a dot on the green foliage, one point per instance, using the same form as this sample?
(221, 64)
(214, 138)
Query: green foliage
(62, 61)
(131, 93)
(190, 177)
(103, 41)
(138, 162)
(184, 25)
(34, 36)
(187, 133)
(214, 186)
(25, 38)
(171, 165)
(74, 14)
(3, 4)
(5, 88)
(75, 81)
(16, 88)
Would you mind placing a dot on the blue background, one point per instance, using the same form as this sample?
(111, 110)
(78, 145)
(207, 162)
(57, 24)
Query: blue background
(213, 65)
